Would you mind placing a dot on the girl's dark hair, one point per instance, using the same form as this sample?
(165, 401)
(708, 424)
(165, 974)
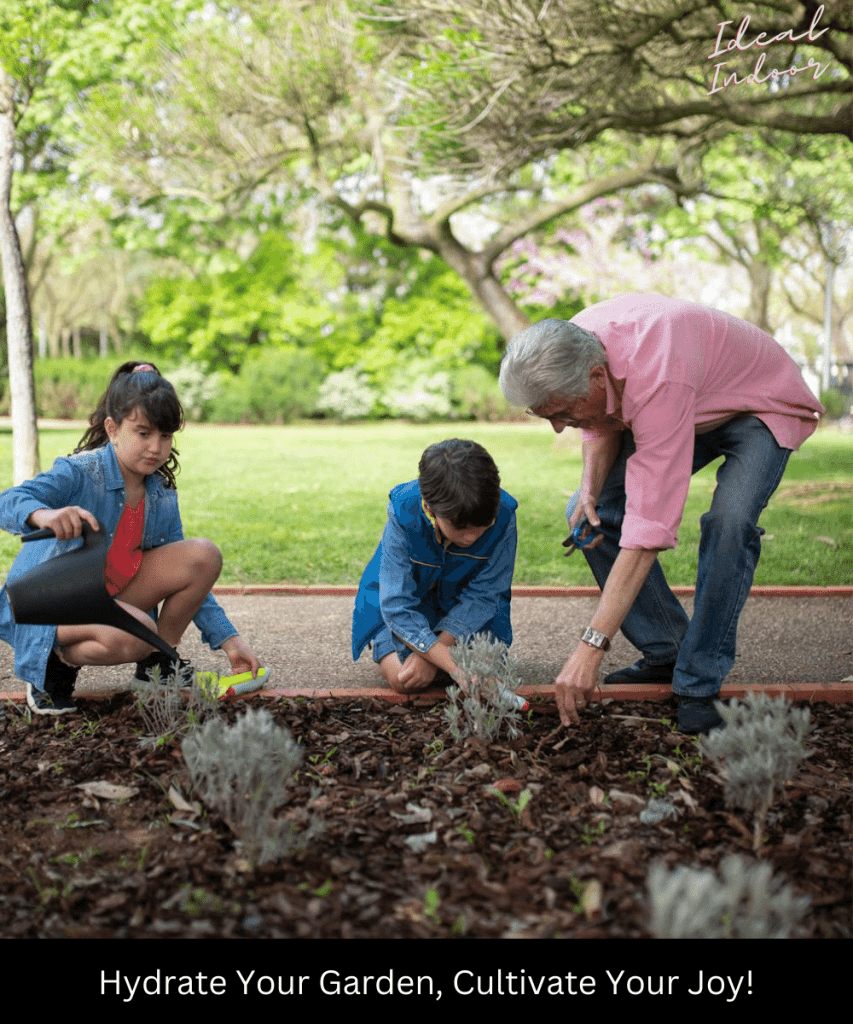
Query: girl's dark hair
(137, 385)
(460, 482)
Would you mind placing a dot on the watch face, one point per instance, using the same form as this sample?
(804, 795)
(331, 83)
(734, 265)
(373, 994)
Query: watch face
(596, 639)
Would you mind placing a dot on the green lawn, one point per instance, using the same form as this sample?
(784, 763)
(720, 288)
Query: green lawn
(306, 504)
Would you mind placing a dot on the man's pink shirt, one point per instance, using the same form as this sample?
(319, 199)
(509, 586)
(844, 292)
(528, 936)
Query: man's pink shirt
(676, 368)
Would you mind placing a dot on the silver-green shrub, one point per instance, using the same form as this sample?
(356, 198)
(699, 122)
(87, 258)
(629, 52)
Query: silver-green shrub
(761, 746)
(167, 707)
(744, 902)
(488, 704)
(243, 771)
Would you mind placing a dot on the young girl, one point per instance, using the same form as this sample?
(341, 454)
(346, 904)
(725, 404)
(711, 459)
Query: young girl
(123, 474)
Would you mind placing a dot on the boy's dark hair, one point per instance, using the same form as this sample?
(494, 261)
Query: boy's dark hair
(137, 385)
(460, 482)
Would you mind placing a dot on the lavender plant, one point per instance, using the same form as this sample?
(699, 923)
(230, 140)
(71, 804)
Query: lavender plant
(487, 704)
(761, 746)
(745, 902)
(167, 707)
(243, 771)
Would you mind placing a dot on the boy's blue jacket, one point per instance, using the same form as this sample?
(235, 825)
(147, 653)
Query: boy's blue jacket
(92, 480)
(418, 585)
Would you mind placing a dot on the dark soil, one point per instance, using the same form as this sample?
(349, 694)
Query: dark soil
(571, 863)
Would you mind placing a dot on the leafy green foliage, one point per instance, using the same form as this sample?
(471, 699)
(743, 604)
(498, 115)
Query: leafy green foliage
(217, 318)
(65, 388)
(836, 403)
(273, 386)
(434, 316)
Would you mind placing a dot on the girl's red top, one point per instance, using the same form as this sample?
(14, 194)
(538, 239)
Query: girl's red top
(125, 555)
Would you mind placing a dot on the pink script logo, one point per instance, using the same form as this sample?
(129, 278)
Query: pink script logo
(738, 44)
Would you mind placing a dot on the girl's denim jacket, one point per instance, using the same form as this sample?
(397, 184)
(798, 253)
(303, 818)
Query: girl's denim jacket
(92, 480)
(419, 585)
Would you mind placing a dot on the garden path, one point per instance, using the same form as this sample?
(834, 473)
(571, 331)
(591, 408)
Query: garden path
(303, 637)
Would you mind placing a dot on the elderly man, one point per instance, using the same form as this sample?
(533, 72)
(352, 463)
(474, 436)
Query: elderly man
(659, 388)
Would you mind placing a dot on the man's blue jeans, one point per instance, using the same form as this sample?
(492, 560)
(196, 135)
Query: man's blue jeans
(703, 648)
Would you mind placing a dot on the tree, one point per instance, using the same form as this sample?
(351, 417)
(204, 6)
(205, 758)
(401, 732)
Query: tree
(508, 81)
(279, 101)
(771, 202)
(30, 33)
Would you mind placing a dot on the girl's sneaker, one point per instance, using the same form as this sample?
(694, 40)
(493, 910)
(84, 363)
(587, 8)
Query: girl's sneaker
(157, 659)
(55, 698)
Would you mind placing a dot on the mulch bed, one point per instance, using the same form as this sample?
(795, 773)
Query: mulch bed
(423, 837)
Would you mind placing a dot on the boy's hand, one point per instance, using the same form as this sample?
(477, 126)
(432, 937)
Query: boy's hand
(416, 674)
(66, 523)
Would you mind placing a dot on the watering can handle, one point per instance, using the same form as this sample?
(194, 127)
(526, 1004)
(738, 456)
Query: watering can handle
(46, 532)
(38, 535)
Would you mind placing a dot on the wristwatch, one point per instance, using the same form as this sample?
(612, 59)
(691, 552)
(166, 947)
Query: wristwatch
(595, 639)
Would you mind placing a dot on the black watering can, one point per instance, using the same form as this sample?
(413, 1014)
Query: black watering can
(69, 590)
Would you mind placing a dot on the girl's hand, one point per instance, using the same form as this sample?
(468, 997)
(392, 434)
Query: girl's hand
(241, 656)
(66, 523)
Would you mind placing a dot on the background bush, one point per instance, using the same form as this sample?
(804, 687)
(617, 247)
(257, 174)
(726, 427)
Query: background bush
(836, 403)
(197, 389)
(419, 390)
(273, 386)
(476, 395)
(347, 395)
(69, 388)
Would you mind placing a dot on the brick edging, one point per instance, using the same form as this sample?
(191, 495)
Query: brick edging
(540, 696)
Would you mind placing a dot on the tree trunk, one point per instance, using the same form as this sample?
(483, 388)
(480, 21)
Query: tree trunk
(760, 279)
(19, 332)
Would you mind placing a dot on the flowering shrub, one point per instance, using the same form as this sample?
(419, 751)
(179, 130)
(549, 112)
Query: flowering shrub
(197, 389)
(419, 390)
(347, 395)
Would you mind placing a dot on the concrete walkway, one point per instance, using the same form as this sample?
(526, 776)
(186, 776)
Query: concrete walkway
(792, 640)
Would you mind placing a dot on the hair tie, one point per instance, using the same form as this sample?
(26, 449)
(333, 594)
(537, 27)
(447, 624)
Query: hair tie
(144, 368)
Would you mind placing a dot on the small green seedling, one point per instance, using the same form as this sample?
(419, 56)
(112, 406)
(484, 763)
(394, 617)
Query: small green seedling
(516, 807)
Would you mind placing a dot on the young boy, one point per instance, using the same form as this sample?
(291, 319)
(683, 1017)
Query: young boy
(442, 570)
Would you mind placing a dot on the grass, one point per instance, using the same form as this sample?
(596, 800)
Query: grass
(306, 504)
